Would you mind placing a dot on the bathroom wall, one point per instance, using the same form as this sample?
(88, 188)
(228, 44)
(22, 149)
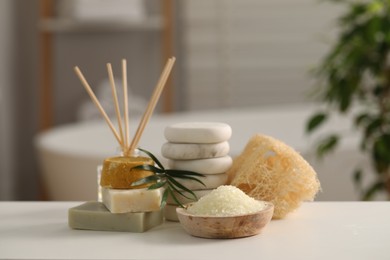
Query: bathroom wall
(6, 94)
(19, 178)
(254, 53)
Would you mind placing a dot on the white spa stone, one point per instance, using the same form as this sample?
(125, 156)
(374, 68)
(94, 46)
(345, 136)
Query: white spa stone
(198, 132)
(183, 200)
(211, 181)
(181, 151)
(132, 200)
(204, 166)
(170, 212)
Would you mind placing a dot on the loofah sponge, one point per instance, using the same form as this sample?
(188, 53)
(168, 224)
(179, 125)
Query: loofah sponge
(270, 170)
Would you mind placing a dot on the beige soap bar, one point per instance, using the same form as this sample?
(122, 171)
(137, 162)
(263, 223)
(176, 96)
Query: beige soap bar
(95, 216)
(134, 200)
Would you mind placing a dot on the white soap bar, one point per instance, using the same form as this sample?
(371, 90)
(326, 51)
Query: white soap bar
(198, 132)
(211, 181)
(203, 166)
(181, 151)
(132, 200)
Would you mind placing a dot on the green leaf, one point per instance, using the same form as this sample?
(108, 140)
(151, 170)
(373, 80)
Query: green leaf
(381, 153)
(381, 148)
(146, 180)
(361, 118)
(174, 196)
(183, 176)
(357, 177)
(176, 200)
(370, 192)
(164, 197)
(182, 172)
(315, 121)
(344, 97)
(157, 185)
(372, 127)
(154, 158)
(327, 145)
(148, 167)
(181, 192)
(180, 186)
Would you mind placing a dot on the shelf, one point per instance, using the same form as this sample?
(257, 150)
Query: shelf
(62, 25)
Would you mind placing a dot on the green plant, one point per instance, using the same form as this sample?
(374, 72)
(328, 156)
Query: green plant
(356, 74)
(167, 178)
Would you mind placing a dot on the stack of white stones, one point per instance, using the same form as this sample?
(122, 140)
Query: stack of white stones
(200, 147)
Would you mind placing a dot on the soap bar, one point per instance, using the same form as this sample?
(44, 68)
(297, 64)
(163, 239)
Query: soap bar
(204, 166)
(134, 200)
(94, 215)
(118, 172)
(198, 132)
(180, 151)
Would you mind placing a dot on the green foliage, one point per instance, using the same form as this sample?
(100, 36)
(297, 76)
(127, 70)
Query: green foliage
(167, 178)
(315, 121)
(356, 71)
(326, 145)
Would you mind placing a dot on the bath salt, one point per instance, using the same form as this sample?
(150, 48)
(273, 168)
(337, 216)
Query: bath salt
(224, 201)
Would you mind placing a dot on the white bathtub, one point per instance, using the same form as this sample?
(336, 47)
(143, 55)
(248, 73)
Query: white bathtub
(70, 154)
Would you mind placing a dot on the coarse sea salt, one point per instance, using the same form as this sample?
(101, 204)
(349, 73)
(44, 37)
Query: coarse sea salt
(225, 201)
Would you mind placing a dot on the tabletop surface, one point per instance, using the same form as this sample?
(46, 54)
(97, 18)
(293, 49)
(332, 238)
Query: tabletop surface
(316, 230)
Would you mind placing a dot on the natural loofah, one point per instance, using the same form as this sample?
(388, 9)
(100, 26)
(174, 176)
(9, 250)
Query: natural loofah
(272, 171)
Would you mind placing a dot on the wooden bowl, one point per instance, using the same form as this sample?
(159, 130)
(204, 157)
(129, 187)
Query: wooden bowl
(225, 227)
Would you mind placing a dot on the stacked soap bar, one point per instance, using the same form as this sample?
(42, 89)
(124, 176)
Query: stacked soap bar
(200, 147)
(118, 195)
(94, 215)
(124, 207)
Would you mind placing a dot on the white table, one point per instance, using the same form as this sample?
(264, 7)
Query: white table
(318, 230)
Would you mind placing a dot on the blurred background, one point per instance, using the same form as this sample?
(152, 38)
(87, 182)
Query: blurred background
(236, 60)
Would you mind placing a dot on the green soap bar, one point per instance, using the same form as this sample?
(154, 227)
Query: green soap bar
(94, 215)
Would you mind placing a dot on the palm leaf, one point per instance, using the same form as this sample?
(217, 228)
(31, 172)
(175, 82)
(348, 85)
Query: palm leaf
(157, 185)
(146, 180)
(163, 178)
(148, 167)
(180, 186)
(183, 176)
(164, 198)
(175, 199)
(181, 192)
(182, 172)
(154, 158)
